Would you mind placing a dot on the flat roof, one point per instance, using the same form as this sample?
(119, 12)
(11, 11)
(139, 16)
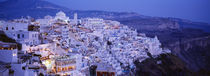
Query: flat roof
(104, 67)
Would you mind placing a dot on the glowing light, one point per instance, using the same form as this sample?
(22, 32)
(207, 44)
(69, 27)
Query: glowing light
(14, 54)
(47, 63)
(47, 49)
(86, 57)
(73, 67)
(70, 50)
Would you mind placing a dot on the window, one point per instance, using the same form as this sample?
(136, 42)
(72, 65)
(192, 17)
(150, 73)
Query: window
(18, 36)
(22, 35)
(23, 68)
(12, 28)
(6, 28)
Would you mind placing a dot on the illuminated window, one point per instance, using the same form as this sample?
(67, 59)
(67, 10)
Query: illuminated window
(69, 68)
(66, 68)
(73, 67)
(59, 69)
(63, 69)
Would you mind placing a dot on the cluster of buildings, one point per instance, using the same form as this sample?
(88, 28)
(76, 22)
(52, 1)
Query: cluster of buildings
(76, 47)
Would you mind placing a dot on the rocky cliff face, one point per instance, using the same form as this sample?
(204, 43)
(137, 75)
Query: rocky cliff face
(149, 23)
(190, 46)
(164, 65)
(195, 52)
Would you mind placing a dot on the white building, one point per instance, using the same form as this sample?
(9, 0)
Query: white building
(15, 26)
(25, 37)
(19, 32)
(4, 71)
(75, 19)
(33, 38)
(92, 22)
(62, 17)
(65, 32)
(63, 65)
(22, 70)
(8, 52)
(155, 46)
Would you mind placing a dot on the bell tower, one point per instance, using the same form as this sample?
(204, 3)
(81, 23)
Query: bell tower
(75, 18)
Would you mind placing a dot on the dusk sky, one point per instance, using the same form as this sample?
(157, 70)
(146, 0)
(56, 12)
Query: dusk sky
(195, 10)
